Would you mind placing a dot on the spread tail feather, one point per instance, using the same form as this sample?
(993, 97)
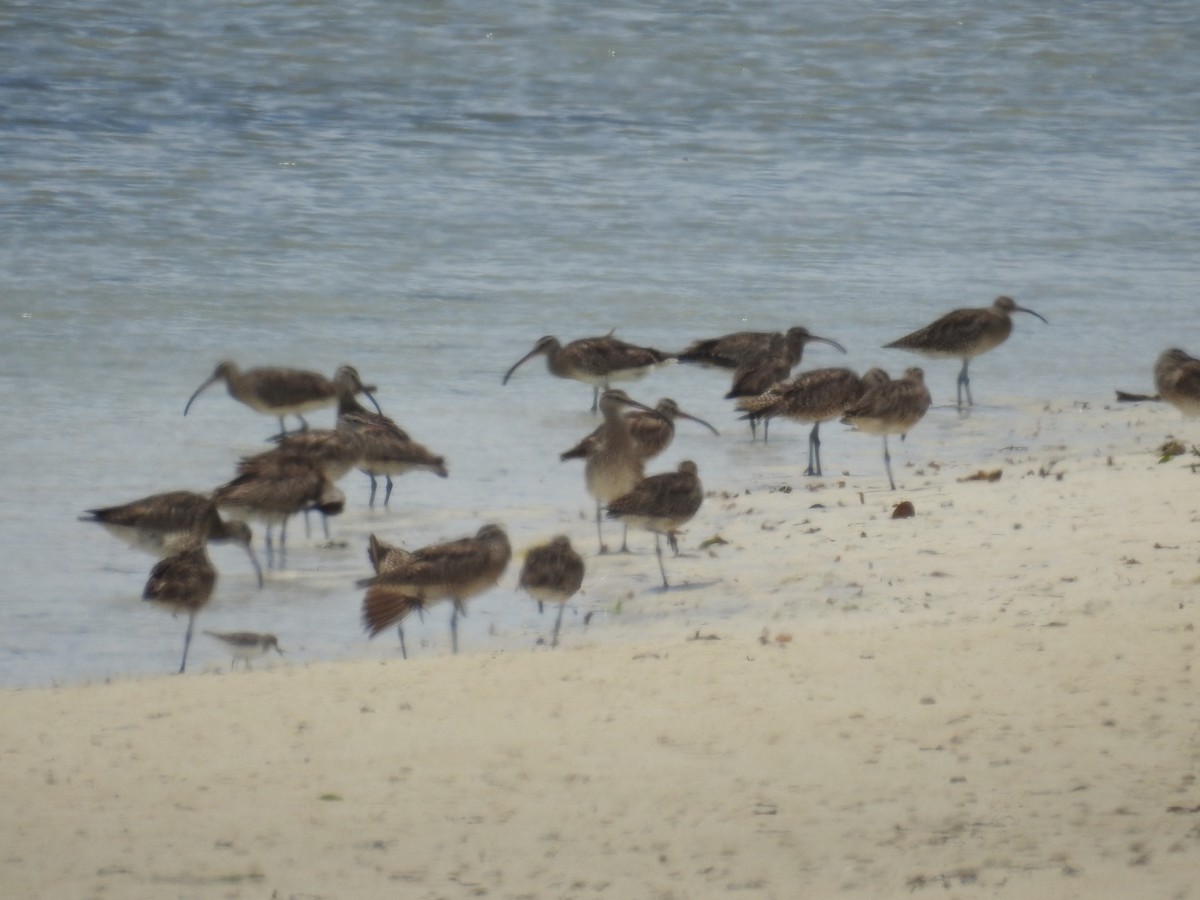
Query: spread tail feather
(384, 607)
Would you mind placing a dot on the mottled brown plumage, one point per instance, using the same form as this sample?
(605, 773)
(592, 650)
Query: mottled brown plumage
(162, 524)
(552, 573)
(760, 371)
(184, 583)
(662, 504)
(385, 557)
(614, 464)
(964, 334)
(273, 390)
(387, 449)
(273, 493)
(816, 396)
(455, 571)
(597, 361)
(652, 432)
(1177, 379)
(732, 350)
(891, 408)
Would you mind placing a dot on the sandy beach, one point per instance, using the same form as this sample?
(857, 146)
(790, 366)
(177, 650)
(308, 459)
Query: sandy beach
(992, 698)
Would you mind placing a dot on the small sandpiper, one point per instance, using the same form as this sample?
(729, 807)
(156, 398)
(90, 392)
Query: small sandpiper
(246, 645)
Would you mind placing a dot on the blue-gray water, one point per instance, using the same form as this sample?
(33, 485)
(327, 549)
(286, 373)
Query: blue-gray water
(422, 190)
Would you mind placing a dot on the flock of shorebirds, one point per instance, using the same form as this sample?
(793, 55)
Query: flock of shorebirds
(299, 474)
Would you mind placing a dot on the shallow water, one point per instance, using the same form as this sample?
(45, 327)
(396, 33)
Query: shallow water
(423, 193)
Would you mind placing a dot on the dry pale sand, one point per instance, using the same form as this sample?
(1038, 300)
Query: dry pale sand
(994, 698)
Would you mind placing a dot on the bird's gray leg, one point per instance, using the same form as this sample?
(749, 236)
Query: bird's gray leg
(403, 649)
(599, 535)
(814, 451)
(387, 495)
(557, 624)
(887, 462)
(661, 567)
(187, 640)
(964, 381)
(371, 502)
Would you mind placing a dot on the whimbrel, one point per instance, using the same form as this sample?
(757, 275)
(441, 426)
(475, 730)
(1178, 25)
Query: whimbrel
(552, 573)
(614, 464)
(732, 350)
(816, 396)
(652, 433)
(597, 361)
(162, 524)
(891, 408)
(1177, 379)
(273, 495)
(183, 582)
(455, 571)
(662, 504)
(760, 371)
(246, 645)
(964, 334)
(387, 449)
(273, 391)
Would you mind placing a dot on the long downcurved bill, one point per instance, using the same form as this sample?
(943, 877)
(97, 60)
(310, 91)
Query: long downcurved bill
(684, 415)
(1031, 312)
(528, 356)
(254, 562)
(830, 342)
(211, 380)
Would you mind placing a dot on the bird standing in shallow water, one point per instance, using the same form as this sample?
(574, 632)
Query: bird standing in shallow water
(651, 432)
(597, 361)
(732, 350)
(274, 493)
(163, 524)
(274, 391)
(964, 334)
(816, 396)
(552, 573)
(892, 407)
(662, 504)
(1177, 380)
(183, 583)
(614, 464)
(246, 645)
(761, 370)
(456, 571)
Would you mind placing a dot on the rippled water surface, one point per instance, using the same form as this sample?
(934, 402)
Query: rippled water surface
(422, 190)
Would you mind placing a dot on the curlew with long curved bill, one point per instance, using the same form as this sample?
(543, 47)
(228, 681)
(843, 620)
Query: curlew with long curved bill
(246, 645)
(275, 493)
(760, 371)
(387, 449)
(733, 350)
(183, 583)
(1177, 379)
(891, 408)
(274, 391)
(964, 334)
(455, 571)
(163, 524)
(662, 504)
(552, 573)
(815, 396)
(597, 361)
(652, 432)
(614, 464)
